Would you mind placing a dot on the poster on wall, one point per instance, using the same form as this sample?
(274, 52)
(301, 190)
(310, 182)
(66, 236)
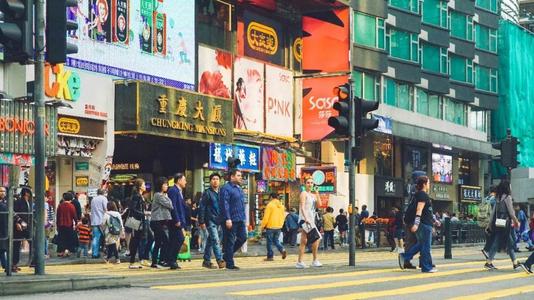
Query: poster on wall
(278, 101)
(441, 168)
(214, 72)
(248, 94)
(148, 40)
(317, 106)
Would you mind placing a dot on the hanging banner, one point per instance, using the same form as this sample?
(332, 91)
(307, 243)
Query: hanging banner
(264, 38)
(317, 106)
(248, 155)
(214, 72)
(248, 94)
(148, 40)
(278, 164)
(278, 101)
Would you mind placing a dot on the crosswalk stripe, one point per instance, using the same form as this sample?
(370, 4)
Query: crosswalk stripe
(423, 287)
(498, 294)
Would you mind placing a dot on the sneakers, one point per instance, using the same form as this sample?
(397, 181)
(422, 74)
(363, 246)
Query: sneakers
(525, 268)
(489, 267)
(408, 266)
(516, 266)
(134, 266)
(221, 263)
(208, 265)
(433, 270)
(401, 261)
(485, 253)
(145, 263)
(284, 254)
(316, 264)
(118, 261)
(301, 265)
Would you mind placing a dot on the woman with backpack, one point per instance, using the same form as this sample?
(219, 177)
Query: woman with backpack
(136, 219)
(113, 229)
(500, 226)
(423, 221)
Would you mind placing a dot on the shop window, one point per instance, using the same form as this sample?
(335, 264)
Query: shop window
(434, 58)
(491, 5)
(486, 79)
(461, 26)
(383, 154)
(369, 31)
(402, 44)
(435, 12)
(461, 69)
(485, 38)
(214, 24)
(422, 102)
(409, 5)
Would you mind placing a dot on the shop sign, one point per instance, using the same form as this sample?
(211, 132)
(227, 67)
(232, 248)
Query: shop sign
(278, 164)
(82, 181)
(17, 128)
(81, 166)
(324, 178)
(264, 38)
(125, 167)
(470, 193)
(16, 159)
(389, 187)
(441, 192)
(248, 155)
(173, 113)
(80, 127)
(385, 124)
(66, 84)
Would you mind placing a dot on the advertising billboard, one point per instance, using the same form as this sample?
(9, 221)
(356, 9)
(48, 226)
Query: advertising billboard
(148, 40)
(278, 101)
(250, 156)
(248, 94)
(214, 72)
(324, 178)
(263, 38)
(442, 168)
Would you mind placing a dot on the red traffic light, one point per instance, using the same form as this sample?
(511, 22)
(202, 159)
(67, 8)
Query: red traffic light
(342, 92)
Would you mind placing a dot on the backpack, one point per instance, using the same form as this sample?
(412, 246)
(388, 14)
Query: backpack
(114, 225)
(409, 214)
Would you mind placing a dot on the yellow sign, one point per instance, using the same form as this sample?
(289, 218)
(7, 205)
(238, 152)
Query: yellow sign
(297, 49)
(262, 38)
(82, 180)
(66, 84)
(68, 125)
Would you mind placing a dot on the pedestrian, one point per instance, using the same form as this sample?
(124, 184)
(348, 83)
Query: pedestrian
(328, 228)
(484, 214)
(76, 203)
(66, 222)
(364, 233)
(147, 239)
(342, 224)
(522, 231)
(3, 227)
(113, 229)
(398, 235)
(136, 211)
(232, 204)
(84, 237)
(160, 223)
(371, 238)
(500, 226)
(272, 222)
(307, 204)
(292, 226)
(423, 221)
(179, 221)
(209, 218)
(22, 208)
(98, 209)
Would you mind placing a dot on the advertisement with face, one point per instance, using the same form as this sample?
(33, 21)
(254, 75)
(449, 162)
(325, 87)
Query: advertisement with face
(248, 94)
(145, 40)
(214, 72)
(279, 101)
(317, 106)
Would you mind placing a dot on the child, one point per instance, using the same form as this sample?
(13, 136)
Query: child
(113, 229)
(84, 236)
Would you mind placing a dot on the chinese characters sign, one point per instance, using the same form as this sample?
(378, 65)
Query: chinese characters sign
(248, 155)
(278, 164)
(173, 113)
(263, 38)
(324, 178)
(470, 193)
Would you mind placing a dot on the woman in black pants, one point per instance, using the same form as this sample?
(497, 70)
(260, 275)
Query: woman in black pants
(160, 218)
(137, 211)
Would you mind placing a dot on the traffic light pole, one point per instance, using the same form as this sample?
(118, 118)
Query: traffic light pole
(40, 157)
(352, 182)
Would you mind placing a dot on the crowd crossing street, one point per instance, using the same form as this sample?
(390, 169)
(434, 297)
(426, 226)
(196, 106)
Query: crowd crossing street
(376, 276)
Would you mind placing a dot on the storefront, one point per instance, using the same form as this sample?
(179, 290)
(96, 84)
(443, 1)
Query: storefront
(442, 196)
(389, 193)
(161, 131)
(470, 198)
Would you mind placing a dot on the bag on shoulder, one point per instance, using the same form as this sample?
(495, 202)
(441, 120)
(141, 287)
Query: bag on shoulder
(114, 225)
(409, 214)
(133, 223)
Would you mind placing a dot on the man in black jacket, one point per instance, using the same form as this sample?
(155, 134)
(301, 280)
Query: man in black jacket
(23, 208)
(209, 218)
(3, 227)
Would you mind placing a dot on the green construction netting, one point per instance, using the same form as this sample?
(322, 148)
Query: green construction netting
(516, 90)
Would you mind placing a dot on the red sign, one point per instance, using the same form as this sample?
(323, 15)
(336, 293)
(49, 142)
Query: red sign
(317, 106)
(278, 164)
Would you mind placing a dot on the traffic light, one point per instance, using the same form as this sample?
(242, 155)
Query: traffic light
(16, 30)
(341, 122)
(57, 27)
(362, 123)
(509, 152)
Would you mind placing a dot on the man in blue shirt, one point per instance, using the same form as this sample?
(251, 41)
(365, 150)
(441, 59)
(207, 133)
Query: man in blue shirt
(179, 221)
(232, 205)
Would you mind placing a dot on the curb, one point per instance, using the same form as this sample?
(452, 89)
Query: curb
(18, 285)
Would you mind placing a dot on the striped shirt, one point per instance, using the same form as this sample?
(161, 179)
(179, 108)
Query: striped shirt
(84, 234)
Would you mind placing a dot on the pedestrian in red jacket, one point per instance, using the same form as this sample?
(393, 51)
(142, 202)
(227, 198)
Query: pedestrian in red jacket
(66, 222)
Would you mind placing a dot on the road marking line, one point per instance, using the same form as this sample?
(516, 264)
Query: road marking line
(498, 294)
(423, 287)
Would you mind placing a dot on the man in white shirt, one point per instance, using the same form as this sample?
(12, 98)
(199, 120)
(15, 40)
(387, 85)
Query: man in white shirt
(98, 209)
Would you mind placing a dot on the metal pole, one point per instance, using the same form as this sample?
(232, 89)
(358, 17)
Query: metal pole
(40, 156)
(10, 203)
(352, 189)
(447, 237)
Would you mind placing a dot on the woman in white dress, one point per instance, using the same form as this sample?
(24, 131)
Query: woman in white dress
(307, 205)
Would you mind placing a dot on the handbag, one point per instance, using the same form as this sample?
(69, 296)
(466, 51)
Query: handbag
(501, 223)
(133, 223)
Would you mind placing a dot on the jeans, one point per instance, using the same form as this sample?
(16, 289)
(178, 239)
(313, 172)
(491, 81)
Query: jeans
(292, 239)
(212, 242)
(95, 243)
(273, 236)
(489, 242)
(203, 238)
(496, 243)
(530, 260)
(112, 251)
(329, 238)
(83, 249)
(234, 238)
(423, 245)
